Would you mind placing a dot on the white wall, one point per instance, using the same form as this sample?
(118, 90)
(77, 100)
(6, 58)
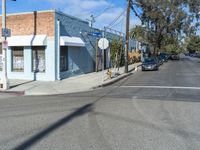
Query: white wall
(28, 74)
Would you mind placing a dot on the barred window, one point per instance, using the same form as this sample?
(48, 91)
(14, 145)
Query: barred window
(38, 59)
(17, 59)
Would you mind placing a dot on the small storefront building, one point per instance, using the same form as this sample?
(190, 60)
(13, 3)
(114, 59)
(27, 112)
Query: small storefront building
(49, 46)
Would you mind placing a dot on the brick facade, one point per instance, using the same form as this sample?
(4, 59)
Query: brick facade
(31, 23)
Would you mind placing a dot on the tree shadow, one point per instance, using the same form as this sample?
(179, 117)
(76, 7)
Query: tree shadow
(38, 136)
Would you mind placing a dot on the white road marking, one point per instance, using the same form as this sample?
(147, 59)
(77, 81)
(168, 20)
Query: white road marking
(162, 87)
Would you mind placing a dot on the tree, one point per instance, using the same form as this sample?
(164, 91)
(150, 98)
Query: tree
(165, 22)
(194, 44)
(115, 50)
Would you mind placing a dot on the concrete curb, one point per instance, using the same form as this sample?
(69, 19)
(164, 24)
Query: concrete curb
(107, 83)
(18, 93)
(120, 77)
(116, 79)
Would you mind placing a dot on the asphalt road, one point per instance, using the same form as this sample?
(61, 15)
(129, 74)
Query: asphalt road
(156, 110)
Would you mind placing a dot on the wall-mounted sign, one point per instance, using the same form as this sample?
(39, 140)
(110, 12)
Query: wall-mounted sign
(97, 34)
(5, 32)
(4, 44)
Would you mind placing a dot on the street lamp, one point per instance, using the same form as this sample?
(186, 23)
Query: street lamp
(5, 81)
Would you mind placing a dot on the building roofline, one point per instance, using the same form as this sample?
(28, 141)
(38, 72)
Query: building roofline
(73, 17)
(30, 12)
(46, 11)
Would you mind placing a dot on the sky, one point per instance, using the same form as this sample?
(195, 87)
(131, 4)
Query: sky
(104, 11)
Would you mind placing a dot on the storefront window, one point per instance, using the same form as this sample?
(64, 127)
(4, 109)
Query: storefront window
(38, 58)
(18, 58)
(1, 62)
(63, 58)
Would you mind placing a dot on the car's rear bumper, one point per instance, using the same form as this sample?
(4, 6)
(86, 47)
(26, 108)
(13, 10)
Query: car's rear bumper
(149, 68)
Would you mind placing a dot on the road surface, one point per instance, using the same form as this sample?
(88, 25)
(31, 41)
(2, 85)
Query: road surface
(158, 110)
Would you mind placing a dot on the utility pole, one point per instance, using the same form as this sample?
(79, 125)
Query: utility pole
(127, 35)
(4, 69)
(91, 20)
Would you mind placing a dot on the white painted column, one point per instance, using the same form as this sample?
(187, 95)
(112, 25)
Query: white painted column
(58, 49)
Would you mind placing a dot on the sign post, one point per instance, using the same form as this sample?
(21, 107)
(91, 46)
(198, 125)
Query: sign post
(5, 33)
(103, 44)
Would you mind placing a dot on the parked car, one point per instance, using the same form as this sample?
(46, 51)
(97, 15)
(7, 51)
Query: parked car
(150, 64)
(175, 56)
(197, 55)
(158, 60)
(164, 56)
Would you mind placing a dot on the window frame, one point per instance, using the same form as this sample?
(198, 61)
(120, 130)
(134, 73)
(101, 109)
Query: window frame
(36, 49)
(66, 49)
(16, 48)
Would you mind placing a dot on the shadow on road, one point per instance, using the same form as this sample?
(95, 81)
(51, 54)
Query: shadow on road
(88, 108)
(37, 137)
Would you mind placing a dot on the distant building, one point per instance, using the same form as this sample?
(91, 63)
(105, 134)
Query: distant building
(51, 45)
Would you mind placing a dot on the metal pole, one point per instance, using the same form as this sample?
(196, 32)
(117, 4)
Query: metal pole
(127, 35)
(58, 50)
(103, 35)
(4, 69)
(97, 52)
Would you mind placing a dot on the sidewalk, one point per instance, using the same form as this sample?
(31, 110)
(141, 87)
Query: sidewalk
(79, 83)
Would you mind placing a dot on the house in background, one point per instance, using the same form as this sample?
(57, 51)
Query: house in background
(50, 45)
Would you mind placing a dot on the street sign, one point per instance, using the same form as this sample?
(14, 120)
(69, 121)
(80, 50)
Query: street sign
(4, 44)
(103, 43)
(6, 32)
(98, 34)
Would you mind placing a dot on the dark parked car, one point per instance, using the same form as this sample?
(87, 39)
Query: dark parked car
(161, 59)
(197, 55)
(175, 56)
(158, 60)
(150, 64)
(164, 56)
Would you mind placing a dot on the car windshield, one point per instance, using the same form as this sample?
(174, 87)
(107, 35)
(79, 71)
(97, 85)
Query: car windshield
(147, 60)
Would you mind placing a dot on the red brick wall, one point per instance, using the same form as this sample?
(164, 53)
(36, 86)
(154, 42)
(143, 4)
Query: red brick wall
(31, 23)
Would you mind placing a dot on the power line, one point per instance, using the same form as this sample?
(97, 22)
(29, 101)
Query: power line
(92, 17)
(120, 21)
(116, 19)
(109, 7)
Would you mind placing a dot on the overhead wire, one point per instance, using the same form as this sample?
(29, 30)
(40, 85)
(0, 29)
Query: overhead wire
(120, 21)
(117, 18)
(107, 8)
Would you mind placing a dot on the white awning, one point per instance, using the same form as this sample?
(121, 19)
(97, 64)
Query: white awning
(71, 41)
(27, 40)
